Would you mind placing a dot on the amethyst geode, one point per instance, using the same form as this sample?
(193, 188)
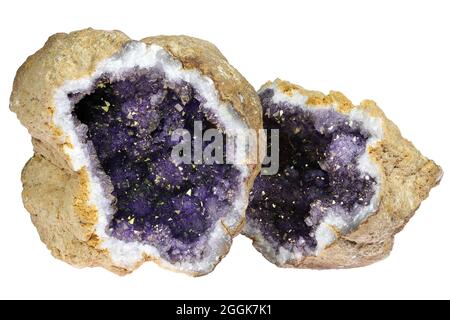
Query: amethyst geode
(102, 187)
(170, 206)
(334, 201)
(104, 190)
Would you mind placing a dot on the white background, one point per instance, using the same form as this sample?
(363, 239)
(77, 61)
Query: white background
(395, 52)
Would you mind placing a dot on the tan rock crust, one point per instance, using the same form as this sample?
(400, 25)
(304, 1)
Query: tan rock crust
(55, 195)
(406, 180)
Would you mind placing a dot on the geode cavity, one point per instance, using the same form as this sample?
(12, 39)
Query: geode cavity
(171, 206)
(318, 175)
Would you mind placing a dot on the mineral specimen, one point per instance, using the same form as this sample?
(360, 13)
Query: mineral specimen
(103, 188)
(347, 181)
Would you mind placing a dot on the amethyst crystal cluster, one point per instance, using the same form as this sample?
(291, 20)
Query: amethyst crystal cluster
(170, 206)
(173, 207)
(318, 174)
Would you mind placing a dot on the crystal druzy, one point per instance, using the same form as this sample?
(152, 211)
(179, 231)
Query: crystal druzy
(318, 174)
(130, 122)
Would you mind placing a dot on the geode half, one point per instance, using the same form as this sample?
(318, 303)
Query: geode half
(347, 181)
(102, 187)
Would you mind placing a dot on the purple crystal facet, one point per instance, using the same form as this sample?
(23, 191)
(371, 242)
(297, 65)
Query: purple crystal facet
(130, 121)
(318, 171)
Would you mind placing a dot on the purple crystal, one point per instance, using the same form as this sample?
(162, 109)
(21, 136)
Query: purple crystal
(130, 122)
(318, 170)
